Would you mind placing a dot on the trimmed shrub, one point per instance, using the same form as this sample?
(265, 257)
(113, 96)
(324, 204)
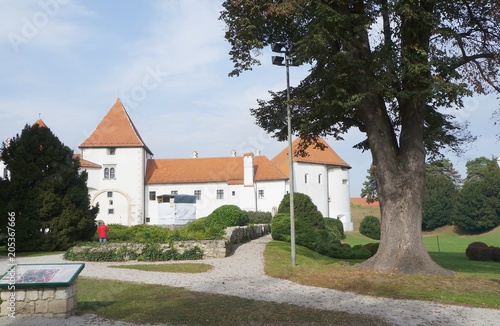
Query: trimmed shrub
(372, 247)
(259, 217)
(226, 216)
(481, 251)
(200, 230)
(370, 227)
(312, 231)
(335, 227)
(280, 227)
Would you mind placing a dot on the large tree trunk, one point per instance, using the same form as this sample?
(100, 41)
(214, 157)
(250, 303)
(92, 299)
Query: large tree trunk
(401, 247)
(400, 175)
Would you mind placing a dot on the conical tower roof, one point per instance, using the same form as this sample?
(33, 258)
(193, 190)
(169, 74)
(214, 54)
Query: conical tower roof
(40, 123)
(326, 156)
(116, 129)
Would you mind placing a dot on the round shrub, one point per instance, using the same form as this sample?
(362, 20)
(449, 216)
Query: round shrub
(370, 227)
(280, 227)
(481, 251)
(259, 217)
(372, 247)
(226, 216)
(335, 227)
(496, 254)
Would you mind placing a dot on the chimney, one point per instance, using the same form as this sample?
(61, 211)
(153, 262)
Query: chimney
(233, 153)
(257, 152)
(248, 169)
(195, 154)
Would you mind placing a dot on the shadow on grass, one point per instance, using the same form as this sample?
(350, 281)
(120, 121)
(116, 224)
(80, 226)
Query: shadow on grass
(459, 262)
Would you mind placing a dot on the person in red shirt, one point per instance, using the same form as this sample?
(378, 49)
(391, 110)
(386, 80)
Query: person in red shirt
(102, 230)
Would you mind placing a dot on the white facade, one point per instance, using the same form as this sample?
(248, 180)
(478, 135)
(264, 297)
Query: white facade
(126, 182)
(215, 194)
(118, 185)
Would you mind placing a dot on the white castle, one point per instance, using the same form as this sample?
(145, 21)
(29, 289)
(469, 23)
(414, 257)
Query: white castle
(131, 187)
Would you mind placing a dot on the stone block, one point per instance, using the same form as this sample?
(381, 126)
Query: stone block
(24, 308)
(5, 295)
(48, 293)
(58, 307)
(41, 307)
(62, 293)
(20, 294)
(31, 295)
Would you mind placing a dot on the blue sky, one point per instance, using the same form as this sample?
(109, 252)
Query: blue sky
(168, 61)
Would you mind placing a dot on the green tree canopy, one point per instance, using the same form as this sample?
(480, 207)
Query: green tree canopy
(46, 192)
(477, 167)
(387, 68)
(478, 203)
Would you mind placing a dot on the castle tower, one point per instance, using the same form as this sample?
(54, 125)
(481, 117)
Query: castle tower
(115, 158)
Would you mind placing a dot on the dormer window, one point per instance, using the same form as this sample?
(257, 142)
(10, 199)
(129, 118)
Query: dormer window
(111, 151)
(106, 173)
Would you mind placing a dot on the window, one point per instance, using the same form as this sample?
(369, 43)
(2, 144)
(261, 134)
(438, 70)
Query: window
(111, 211)
(109, 172)
(344, 181)
(305, 178)
(152, 195)
(319, 178)
(111, 151)
(197, 193)
(233, 193)
(110, 194)
(174, 192)
(261, 194)
(110, 202)
(220, 194)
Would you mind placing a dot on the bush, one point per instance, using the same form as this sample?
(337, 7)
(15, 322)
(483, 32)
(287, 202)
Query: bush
(200, 230)
(118, 232)
(313, 231)
(370, 227)
(280, 227)
(481, 251)
(226, 216)
(259, 217)
(335, 227)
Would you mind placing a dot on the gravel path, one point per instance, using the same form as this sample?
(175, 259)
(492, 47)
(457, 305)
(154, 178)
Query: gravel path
(242, 275)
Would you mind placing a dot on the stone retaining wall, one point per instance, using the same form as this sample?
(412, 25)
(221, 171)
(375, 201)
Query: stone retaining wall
(211, 248)
(45, 302)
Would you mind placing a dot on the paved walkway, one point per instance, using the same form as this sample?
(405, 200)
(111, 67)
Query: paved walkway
(242, 274)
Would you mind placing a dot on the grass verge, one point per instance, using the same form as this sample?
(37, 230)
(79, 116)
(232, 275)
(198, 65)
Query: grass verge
(141, 303)
(475, 284)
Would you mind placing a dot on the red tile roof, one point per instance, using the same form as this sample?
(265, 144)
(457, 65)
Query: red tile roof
(116, 129)
(85, 163)
(40, 123)
(315, 155)
(218, 169)
(362, 202)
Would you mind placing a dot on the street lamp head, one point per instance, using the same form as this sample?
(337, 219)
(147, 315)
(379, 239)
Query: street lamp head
(278, 47)
(278, 61)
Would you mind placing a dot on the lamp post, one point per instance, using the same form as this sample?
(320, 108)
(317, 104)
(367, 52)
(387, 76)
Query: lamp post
(288, 61)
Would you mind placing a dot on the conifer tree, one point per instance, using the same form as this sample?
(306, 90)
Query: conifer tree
(46, 192)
